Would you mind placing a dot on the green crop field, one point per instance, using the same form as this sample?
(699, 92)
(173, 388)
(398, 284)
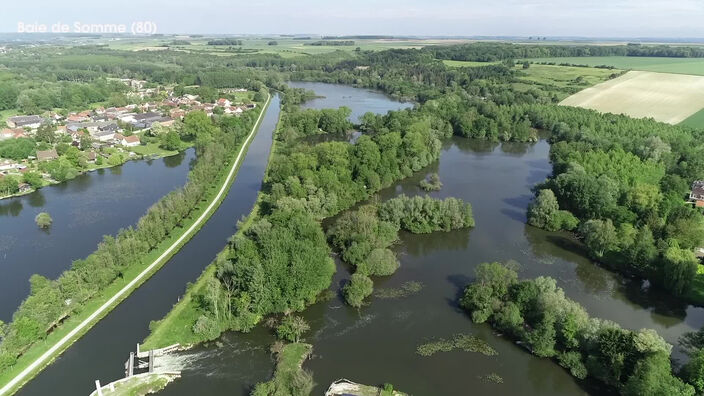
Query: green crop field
(454, 63)
(563, 80)
(696, 120)
(663, 65)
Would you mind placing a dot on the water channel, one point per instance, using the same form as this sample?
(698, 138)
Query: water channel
(83, 209)
(377, 343)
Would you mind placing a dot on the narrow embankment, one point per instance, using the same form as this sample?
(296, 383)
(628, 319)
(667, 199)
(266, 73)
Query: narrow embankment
(59, 346)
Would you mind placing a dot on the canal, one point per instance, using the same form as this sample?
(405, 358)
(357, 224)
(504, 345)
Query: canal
(101, 353)
(83, 209)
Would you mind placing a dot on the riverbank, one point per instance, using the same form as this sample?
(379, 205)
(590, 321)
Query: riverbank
(148, 152)
(43, 353)
(177, 326)
(289, 377)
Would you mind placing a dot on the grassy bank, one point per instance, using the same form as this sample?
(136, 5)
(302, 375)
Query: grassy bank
(42, 353)
(177, 326)
(289, 377)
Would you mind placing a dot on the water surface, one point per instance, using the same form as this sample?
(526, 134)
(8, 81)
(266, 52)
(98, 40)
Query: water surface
(83, 209)
(377, 343)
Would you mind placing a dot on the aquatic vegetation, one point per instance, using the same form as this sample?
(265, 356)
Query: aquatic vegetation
(465, 342)
(405, 290)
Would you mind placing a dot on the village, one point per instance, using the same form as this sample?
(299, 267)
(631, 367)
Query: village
(41, 149)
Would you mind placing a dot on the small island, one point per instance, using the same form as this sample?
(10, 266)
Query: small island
(43, 220)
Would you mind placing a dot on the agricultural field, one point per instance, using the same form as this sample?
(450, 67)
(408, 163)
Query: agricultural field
(455, 63)
(663, 65)
(285, 46)
(563, 80)
(669, 98)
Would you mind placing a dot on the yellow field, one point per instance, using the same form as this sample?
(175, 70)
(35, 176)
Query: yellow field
(666, 97)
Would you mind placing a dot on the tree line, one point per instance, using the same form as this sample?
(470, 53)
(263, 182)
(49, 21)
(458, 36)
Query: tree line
(621, 184)
(364, 236)
(51, 302)
(490, 52)
(537, 313)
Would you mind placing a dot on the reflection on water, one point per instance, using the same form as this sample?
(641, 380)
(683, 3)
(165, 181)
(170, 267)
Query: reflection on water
(174, 160)
(358, 100)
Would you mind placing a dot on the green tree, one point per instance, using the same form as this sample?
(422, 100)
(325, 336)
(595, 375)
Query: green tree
(9, 185)
(170, 141)
(679, 269)
(43, 220)
(292, 328)
(653, 376)
(693, 371)
(358, 288)
(599, 236)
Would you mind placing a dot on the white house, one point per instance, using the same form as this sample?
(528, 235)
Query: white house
(130, 141)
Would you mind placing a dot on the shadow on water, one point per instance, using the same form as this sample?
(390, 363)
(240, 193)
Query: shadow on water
(13, 207)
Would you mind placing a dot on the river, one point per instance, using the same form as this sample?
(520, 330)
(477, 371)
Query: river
(101, 353)
(83, 209)
(377, 343)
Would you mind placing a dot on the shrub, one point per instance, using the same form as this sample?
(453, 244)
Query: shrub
(43, 220)
(359, 287)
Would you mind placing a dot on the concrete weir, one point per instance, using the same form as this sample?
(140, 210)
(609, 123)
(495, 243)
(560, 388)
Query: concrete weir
(140, 370)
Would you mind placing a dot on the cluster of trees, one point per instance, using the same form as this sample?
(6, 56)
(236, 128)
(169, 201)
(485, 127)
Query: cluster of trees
(279, 264)
(625, 181)
(329, 177)
(363, 240)
(34, 96)
(17, 149)
(431, 183)
(364, 236)
(489, 52)
(336, 43)
(297, 123)
(52, 301)
(422, 215)
(537, 313)
(225, 42)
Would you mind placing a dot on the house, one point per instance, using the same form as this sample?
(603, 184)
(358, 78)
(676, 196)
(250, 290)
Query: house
(697, 194)
(130, 141)
(77, 118)
(103, 136)
(7, 165)
(31, 121)
(177, 113)
(224, 102)
(47, 155)
(90, 157)
(24, 187)
(147, 119)
(12, 133)
(91, 127)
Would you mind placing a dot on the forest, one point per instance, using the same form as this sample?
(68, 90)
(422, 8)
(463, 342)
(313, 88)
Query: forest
(538, 314)
(489, 52)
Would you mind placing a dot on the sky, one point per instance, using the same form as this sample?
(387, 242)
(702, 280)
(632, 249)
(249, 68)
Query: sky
(581, 18)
